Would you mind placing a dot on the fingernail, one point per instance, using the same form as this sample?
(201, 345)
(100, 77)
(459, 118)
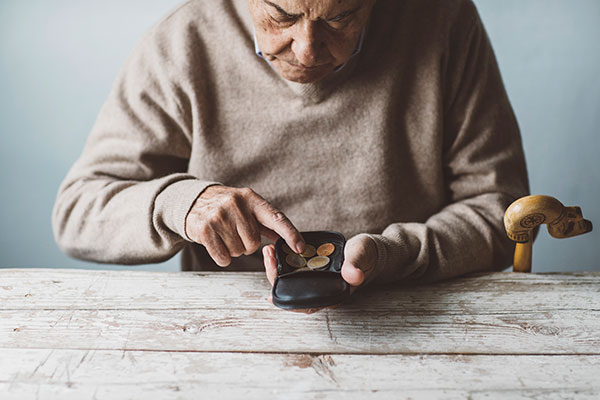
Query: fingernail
(300, 247)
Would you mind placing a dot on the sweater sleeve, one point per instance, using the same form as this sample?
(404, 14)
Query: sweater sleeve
(484, 169)
(125, 200)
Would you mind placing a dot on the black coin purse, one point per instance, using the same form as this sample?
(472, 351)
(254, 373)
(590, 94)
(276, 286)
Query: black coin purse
(300, 288)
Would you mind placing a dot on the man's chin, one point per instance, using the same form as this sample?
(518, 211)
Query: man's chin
(302, 79)
(303, 76)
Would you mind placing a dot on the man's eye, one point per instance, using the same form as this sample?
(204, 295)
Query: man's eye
(339, 18)
(284, 18)
(339, 22)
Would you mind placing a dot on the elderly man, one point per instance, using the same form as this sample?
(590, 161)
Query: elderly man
(235, 123)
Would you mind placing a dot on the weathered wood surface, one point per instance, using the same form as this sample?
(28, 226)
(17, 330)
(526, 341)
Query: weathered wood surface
(122, 334)
(76, 374)
(105, 290)
(331, 331)
(487, 314)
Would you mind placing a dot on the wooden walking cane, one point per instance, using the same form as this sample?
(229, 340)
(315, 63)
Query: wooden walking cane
(529, 212)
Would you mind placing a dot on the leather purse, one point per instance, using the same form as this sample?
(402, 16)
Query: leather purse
(303, 287)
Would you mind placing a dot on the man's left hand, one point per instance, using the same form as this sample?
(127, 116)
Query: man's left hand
(360, 258)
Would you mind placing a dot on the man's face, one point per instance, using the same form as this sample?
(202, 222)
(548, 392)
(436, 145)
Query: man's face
(305, 40)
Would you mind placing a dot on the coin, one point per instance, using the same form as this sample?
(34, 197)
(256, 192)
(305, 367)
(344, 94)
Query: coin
(309, 251)
(287, 249)
(326, 249)
(318, 262)
(296, 261)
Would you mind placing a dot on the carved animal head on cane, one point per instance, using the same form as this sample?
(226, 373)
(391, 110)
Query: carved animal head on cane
(529, 212)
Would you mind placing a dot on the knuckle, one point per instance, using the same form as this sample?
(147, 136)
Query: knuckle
(202, 230)
(252, 247)
(262, 203)
(279, 217)
(247, 192)
(239, 249)
(223, 254)
(232, 199)
(236, 253)
(217, 216)
(222, 258)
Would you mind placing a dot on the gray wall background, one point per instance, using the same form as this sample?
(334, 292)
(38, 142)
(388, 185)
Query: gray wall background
(59, 58)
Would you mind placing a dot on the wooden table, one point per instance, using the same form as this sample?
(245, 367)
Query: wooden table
(71, 334)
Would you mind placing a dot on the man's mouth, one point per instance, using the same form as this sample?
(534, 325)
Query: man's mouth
(307, 68)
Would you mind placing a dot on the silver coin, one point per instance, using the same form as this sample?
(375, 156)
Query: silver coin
(318, 262)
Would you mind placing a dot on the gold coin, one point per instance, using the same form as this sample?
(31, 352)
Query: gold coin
(309, 251)
(296, 261)
(318, 262)
(287, 249)
(326, 249)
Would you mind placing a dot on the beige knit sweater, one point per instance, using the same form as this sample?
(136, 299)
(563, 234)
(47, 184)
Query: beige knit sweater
(413, 142)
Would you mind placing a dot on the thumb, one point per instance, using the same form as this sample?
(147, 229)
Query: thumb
(360, 256)
(352, 274)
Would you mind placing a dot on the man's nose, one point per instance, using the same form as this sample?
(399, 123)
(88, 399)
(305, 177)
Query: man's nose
(307, 44)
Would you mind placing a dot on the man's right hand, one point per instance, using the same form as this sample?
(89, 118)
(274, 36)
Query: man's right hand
(229, 222)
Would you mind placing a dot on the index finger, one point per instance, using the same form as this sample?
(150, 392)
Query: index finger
(270, 217)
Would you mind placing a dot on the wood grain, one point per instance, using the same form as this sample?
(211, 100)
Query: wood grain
(80, 374)
(117, 335)
(554, 314)
(43, 289)
(330, 331)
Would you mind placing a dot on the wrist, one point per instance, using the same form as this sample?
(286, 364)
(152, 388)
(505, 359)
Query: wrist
(175, 201)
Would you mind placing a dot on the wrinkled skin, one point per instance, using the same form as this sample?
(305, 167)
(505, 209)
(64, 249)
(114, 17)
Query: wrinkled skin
(229, 222)
(305, 40)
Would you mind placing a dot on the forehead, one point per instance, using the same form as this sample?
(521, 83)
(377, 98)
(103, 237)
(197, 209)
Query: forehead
(312, 8)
